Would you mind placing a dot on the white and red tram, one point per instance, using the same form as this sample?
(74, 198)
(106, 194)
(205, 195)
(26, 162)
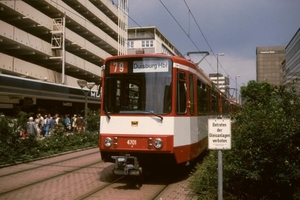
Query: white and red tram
(154, 109)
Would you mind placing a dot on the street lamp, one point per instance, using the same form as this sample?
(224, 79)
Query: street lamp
(82, 84)
(236, 87)
(220, 164)
(219, 54)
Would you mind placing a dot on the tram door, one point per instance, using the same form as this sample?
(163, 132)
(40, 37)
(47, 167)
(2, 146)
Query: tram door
(186, 106)
(181, 96)
(185, 93)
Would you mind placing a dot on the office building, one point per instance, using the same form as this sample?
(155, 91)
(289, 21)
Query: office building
(269, 64)
(291, 64)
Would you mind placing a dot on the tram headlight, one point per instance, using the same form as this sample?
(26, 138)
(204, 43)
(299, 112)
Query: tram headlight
(107, 142)
(158, 143)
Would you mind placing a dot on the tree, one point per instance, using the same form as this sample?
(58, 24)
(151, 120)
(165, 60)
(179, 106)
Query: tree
(265, 156)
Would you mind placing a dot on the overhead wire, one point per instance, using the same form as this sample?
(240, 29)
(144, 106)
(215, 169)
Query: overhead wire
(210, 48)
(179, 25)
(186, 33)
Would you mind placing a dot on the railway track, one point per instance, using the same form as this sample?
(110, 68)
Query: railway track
(125, 188)
(78, 175)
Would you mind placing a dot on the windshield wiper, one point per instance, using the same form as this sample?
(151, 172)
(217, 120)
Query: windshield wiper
(106, 112)
(153, 113)
(141, 112)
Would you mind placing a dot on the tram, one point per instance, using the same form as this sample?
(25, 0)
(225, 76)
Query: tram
(155, 110)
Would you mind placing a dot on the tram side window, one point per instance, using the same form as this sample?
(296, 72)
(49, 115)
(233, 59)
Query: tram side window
(167, 99)
(181, 92)
(192, 104)
(214, 103)
(225, 106)
(202, 98)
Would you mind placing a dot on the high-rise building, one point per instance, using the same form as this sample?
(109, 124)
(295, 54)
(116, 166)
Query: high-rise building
(269, 64)
(46, 46)
(292, 60)
(222, 82)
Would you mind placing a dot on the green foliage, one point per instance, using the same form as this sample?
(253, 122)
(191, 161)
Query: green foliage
(93, 121)
(14, 148)
(22, 120)
(204, 181)
(265, 156)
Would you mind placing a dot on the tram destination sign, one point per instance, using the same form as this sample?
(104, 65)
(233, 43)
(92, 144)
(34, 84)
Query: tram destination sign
(219, 134)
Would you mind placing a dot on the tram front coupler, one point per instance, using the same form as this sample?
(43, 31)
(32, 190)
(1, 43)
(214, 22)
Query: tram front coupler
(127, 165)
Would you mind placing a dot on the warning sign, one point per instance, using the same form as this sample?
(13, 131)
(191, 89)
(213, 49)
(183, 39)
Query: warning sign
(219, 134)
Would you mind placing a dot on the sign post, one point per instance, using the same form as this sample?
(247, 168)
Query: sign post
(219, 138)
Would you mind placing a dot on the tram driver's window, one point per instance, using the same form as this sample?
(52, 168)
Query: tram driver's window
(133, 96)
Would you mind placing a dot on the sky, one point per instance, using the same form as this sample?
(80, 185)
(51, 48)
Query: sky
(232, 27)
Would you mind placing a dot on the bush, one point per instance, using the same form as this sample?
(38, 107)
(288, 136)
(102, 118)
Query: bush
(265, 156)
(14, 148)
(204, 181)
(93, 121)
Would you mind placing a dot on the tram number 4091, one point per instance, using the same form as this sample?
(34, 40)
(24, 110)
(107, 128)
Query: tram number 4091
(131, 142)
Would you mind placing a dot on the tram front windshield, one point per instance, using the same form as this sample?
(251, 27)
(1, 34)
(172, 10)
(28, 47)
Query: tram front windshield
(138, 85)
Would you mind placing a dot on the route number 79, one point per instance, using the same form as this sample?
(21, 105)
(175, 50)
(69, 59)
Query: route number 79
(118, 67)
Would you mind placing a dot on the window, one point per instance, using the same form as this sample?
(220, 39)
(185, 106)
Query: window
(225, 106)
(140, 90)
(202, 92)
(130, 44)
(214, 102)
(147, 43)
(181, 92)
(192, 104)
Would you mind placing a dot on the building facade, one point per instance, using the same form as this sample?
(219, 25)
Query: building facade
(221, 82)
(50, 43)
(149, 40)
(269, 64)
(292, 60)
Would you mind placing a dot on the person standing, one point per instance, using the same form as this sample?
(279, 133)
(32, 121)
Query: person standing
(31, 128)
(47, 125)
(41, 125)
(67, 123)
(74, 123)
(79, 124)
(52, 125)
(39, 120)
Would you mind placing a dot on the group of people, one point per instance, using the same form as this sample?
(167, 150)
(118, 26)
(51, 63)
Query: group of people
(44, 126)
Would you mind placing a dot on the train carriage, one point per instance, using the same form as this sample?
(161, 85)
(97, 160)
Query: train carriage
(154, 109)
